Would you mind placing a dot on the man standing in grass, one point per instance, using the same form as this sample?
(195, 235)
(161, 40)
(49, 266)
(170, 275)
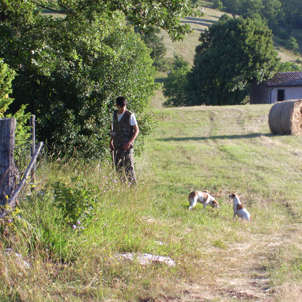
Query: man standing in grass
(124, 132)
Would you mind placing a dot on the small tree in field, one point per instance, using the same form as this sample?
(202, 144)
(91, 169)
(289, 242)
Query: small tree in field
(175, 83)
(292, 43)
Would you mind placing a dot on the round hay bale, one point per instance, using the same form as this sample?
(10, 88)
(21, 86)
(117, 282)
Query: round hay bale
(286, 117)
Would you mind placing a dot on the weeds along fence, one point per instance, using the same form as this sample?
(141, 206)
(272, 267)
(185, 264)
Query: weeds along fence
(10, 183)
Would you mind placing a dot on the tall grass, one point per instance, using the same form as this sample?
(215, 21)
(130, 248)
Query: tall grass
(221, 150)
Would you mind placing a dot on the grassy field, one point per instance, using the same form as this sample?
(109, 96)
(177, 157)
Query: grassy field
(223, 150)
(219, 149)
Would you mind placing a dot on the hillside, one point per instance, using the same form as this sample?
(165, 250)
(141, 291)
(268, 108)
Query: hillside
(186, 47)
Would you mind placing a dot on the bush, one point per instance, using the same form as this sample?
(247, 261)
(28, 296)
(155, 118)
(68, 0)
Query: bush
(77, 202)
(291, 43)
(283, 34)
(217, 5)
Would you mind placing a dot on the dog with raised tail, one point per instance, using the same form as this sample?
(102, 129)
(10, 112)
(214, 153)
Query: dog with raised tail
(203, 197)
(239, 209)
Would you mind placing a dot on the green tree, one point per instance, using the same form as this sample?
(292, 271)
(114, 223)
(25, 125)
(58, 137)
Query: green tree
(273, 13)
(233, 6)
(158, 48)
(71, 68)
(291, 43)
(217, 5)
(22, 129)
(173, 87)
(251, 8)
(222, 71)
(292, 13)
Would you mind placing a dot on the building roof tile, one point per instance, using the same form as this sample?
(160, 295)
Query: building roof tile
(285, 79)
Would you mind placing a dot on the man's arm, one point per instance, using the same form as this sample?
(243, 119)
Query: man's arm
(132, 138)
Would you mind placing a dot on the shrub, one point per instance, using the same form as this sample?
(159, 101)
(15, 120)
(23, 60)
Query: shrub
(283, 34)
(217, 5)
(76, 203)
(292, 43)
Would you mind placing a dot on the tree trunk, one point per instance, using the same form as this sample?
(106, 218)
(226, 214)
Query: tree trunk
(7, 163)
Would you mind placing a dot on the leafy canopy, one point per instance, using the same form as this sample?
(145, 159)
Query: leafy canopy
(232, 53)
(73, 63)
(145, 14)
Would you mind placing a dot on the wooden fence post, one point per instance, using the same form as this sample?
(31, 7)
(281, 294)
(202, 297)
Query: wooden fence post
(33, 149)
(7, 163)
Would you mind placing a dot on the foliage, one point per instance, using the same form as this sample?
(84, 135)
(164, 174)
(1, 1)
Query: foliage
(6, 77)
(217, 5)
(71, 69)
(41, 227)
(222, 71)
(251, 8)
(155, 43)
(233, 6)
(273, 13)
(269, 10)
(283, 34)
(22, 132)
(77, 202)
(173, 87)
(292, 13)
(73, 65)
(287, 13)
(291, 43)
(289, 66)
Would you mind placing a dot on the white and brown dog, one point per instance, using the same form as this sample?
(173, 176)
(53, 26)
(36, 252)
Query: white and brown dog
(239, 209)
(203, 197)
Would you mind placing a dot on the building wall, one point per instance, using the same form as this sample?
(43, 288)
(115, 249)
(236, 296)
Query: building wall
(290, 93)
(260, 94)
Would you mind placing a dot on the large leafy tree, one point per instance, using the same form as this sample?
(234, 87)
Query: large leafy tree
(222, 70)
(72, 65)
